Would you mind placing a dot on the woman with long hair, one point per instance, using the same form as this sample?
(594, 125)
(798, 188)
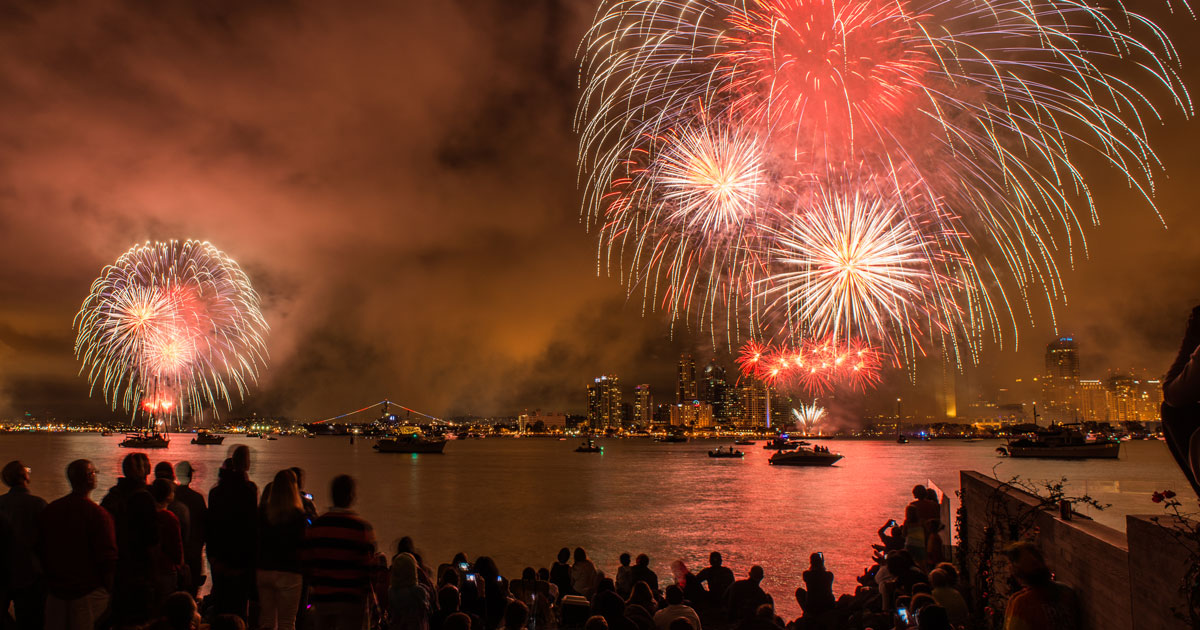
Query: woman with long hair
(282, 522)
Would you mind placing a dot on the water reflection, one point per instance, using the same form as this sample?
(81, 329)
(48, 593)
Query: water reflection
(520, 500)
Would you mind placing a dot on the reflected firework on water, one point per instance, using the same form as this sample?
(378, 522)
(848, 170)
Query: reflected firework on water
(171, 328)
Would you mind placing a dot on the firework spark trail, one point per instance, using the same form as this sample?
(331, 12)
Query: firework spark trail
(974, 112)
(808, 416)
(171, 327)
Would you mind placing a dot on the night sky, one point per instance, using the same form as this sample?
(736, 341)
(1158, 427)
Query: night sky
(399, 181)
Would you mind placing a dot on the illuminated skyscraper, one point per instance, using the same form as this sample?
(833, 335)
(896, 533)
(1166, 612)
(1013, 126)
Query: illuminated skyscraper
(714, 390)
(696, 415)
(1093, 401)
(751, 406)
(1123, 398)
(686, 391)
(1060, 382)
(643, 406)
(604, 403)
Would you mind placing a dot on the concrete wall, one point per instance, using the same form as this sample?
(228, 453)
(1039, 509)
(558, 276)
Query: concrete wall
(1124, 580)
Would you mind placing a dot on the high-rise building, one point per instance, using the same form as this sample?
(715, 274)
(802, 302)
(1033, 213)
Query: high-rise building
(696, 414)
(1122, 398)
(714, 390)
(643, 406)
(1152, 399)
(686, 390)
(1093, 401)
(751, 406)
(604, 403)
(1060, 382)
(1131, 399)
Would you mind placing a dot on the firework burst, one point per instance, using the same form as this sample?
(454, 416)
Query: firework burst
(808, 417)
(171, 328)
(815, 367)
(963, 117)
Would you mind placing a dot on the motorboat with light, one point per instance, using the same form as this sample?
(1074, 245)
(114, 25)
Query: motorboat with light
(817, 456)
(206, 438)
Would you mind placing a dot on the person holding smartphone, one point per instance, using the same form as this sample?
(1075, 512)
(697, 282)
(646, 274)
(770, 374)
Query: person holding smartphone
(891, 536)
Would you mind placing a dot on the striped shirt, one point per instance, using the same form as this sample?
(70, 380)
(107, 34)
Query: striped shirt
(339, 556)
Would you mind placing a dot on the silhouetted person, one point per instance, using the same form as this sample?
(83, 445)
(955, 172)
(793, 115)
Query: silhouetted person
(1181, 402)
(560, 573)
(745, 596)
(494, 590)
(78, 550)
(459, 621)
(134, 515)
(23, 585)
(183, 514)
(644, 597)
(818, 582)
(193, 541)
(608, 604)
(933, 617)
(448, 602)
(584, 575)
(675, 609)
(538, 596)
(515, 615)
(230, 527)
(1043, 604)
(683, 623)
(408, 601)
(718, 578)
(624, 578)
(948, 597)
(339, 556)
(643, 573)
(638, 617)
(179, 612)
(168, 555)
(281, 528)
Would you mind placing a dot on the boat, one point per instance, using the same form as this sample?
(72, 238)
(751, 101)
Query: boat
(900, 439)
(253, 435)
(673, 438)
(1061, 442)
(729, 452)
(206, 438)
(411, 443)
(106, 433)
(744, 442)
(589, 446)
(145, 440)
(805, 457)
(272, 438)
(780, 444)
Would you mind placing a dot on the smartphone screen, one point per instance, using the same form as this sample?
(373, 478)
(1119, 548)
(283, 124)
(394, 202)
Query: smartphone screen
(903, 613)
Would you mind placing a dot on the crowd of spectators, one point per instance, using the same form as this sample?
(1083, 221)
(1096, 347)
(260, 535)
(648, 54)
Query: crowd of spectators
(134, 561)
